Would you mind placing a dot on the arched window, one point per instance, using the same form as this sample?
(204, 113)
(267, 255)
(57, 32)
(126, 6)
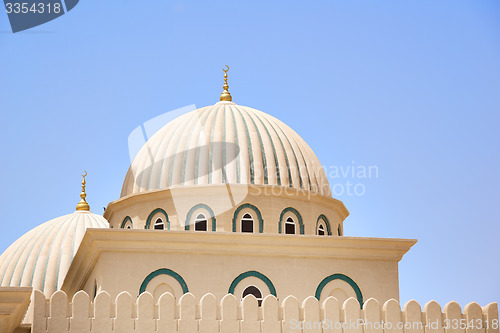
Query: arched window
(200, 218)
(247, 223)
(290, 222)
(127, 223)
(253, 290)
(159, 225)
(339, 230)
(290, 226)
(245, 210)
(252, 282)
(156, 218)
(323, 226)
(321, 230)
(200, 224)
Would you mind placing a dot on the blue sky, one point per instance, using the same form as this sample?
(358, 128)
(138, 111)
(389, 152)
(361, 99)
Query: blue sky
(409, 87)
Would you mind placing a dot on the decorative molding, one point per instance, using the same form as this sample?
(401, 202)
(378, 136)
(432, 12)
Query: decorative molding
(125, 220)
(192, 210)
(163, 271)
(344, 278)
(327, 223)
(252, 189)
(99, 241)
(153, 213)
(256, 274)
(299, 217)
(257, 212)
(14, 302)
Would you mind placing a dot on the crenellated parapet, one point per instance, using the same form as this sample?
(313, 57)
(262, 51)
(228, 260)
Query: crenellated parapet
(231, 315)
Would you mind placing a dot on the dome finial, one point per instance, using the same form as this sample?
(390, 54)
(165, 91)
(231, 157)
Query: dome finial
(225, 96)
(83, 205)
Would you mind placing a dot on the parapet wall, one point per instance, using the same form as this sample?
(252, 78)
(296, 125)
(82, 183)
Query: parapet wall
(143, 315)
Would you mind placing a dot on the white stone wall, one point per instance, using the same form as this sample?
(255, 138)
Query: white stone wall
(126, 314)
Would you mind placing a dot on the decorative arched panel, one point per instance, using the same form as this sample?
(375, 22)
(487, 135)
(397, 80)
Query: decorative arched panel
(153, 213)
(127, 221)
(294, 212)
(255, 210)
(322, 218)
(344, 278)
(258, 275)
(164, 271)
(204, 207)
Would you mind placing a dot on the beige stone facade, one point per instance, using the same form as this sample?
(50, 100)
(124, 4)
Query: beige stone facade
(279, 265)
(271, 204)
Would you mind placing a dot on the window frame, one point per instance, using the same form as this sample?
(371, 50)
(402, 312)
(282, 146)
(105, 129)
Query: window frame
(297, 218)
(156, 223)
(244, 218)
(158, 212)
(290, 221)
(321, 228)
(323, 220)
(198, 219)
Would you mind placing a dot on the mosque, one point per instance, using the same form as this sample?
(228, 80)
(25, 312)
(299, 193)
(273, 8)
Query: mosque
(224, 200)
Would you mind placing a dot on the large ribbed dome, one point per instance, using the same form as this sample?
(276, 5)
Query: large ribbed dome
(41, 257)
(225, 144)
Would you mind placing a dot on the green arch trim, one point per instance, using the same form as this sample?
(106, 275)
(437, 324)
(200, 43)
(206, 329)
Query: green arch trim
(293, 210)
(327, 223)
(125, 220)
(257, 212)
(163, 271)
(192, 210)
(344, 278)
(256, 274)
(153, 213)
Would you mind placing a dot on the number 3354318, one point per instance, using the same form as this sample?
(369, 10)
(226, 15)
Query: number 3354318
(35, 8)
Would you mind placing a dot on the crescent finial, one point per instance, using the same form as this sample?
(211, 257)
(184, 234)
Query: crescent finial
(225, 96)
(83, 205)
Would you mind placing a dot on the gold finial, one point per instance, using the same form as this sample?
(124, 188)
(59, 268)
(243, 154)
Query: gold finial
(225, 96)
(83, 205)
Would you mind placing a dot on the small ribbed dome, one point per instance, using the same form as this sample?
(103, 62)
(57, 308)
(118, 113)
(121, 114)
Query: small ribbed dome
(225, 144)
(42, 256)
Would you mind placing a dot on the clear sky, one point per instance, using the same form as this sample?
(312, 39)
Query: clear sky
(412, 88)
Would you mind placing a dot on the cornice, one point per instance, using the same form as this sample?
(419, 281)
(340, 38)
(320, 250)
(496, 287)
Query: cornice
(166, 194)
(98, 241)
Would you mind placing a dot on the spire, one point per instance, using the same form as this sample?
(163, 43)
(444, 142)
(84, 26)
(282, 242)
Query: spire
(225, 96)
(83, 205)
